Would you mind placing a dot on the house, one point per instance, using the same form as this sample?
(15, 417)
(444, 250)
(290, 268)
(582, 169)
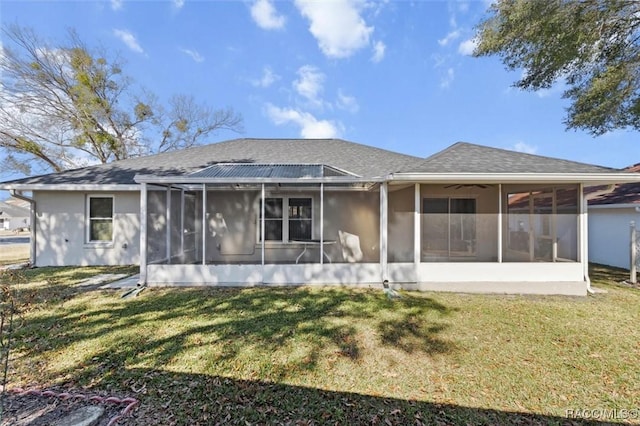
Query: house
(13, 216)
(611, 210)
(281, 211)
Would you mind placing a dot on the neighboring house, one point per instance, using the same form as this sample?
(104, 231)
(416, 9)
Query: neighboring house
(611, 210)
(277, 212)
(13, 217)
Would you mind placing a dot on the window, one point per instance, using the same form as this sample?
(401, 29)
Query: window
(299, 218)
(273, 219)
(292, 223)
(450, 226)
(100, 219)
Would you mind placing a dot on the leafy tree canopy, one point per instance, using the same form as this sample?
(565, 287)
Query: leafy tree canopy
(591, 44)
(65, 105)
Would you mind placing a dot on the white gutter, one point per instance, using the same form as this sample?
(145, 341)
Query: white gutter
(32, 218)
(586, 178)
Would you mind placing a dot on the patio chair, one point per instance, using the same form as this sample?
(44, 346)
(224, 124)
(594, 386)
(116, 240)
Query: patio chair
(350, 243)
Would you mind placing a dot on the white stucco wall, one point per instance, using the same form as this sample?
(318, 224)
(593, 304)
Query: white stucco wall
(61, 230)
(609, 235)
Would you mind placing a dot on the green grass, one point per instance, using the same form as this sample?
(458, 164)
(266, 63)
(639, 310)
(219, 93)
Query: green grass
(14, 253)
(331, 355)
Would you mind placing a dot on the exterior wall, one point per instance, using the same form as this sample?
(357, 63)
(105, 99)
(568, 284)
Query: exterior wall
(609, 235)
(61, 230)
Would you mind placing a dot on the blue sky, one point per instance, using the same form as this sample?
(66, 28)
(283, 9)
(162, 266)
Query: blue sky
(392, 74)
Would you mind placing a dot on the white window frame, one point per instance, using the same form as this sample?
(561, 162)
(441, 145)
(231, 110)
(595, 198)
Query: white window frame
(88, 219)
(285, 218)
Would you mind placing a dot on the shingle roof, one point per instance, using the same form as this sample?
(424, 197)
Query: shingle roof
(358, 159)
(464, 157)
(626, 193)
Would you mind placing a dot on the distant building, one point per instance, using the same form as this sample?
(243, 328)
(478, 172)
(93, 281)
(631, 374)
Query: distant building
(611, 210)
(14, 215)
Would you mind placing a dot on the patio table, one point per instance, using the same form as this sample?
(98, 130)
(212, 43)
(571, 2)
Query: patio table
(310, 243)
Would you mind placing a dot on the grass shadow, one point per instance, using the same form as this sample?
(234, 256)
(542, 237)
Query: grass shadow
(228, 327)
(198, 399)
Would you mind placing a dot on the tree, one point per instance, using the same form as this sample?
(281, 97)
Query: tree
(590, 44)
(64, 106)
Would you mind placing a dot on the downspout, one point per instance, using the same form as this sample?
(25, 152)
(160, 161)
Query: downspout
(32, 217)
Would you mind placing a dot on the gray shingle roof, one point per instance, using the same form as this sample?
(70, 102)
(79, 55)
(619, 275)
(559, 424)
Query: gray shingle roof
(464, 157)
(358, 159)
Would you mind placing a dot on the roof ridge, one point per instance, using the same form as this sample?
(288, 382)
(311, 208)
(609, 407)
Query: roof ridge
(511, 151)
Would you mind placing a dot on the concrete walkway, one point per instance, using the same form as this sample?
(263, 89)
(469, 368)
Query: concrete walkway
(128, 282)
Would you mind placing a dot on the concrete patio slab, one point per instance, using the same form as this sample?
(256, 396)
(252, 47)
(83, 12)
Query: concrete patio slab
(99, 279)
(128, 282)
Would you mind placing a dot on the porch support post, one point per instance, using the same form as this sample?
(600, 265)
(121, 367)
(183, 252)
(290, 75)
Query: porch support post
(633, 258)
(584, 245)
(182, 224)
(499, 223)
(416, 228)
(383, 229)
(143, 234)
(554, 226)
(168, 231)
(204, 223)
(321, 223)
(262, 229)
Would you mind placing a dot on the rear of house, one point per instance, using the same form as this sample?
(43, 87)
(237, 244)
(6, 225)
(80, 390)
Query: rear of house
(282, 212)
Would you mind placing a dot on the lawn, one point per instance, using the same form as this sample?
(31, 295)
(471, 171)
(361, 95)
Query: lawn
(14, 253)
(331, 355)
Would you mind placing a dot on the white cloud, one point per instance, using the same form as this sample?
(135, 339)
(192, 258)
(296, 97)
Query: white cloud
(348, 103)
(378, 51)
(521, 146)
(265, 15)
(310, 83)
(194, 54)
(449, 38)
(116, 4)
(336, 25)
(178, 3)
(446, 81)
(467, 47)
(310, 126)
(128, 39)
(267, 79)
